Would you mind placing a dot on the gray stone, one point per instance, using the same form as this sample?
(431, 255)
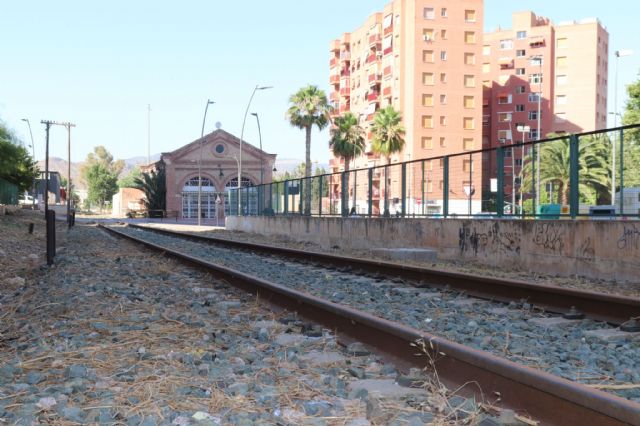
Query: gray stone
(464, 302)
(358, 421)
(358, 349)
(33, 378)
(420, 254)
(423, 294)
(74, 414)
(290, 339)
(611, 334)
(76, 371)
(383, 388)
(238, 388)
(323, 358)
(149, 421)
(553, 322)
(317, 408)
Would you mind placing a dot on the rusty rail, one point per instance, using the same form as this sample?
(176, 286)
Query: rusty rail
(603, 307)
(549, 399)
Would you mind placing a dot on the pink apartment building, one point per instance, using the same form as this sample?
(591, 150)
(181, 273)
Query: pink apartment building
(424, 57)
(541, 78)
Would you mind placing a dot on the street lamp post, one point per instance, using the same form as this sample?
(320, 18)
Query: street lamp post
(619, 54)
(206, 108)
(33, 181)
(244, 120)
(255, 114)
(536, 148)
(522, 130)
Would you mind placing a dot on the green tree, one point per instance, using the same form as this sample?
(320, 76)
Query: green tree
(102, 184)
(632, 137)
(154, 186)
(308, 107)
(594, 175)
(16, 165)
(347, 142)
(129, 181)
(100, 173)
(388, 138)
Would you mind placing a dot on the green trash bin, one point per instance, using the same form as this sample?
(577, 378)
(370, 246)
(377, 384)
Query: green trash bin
(548, 211)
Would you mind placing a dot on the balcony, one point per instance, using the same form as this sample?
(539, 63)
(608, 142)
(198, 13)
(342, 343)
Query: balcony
(371, 58)
(374, 78)
(373, 97)
(333, 62)
(388, 30)
(345, 91)
(335, 46)
(370, 117)
(334, 79)
(374, 39)
(345, 56)
(388, 50)
(386, 91)
(536, 41)
(387, 71)
(345, 82)
(344, 108)
(334, 96)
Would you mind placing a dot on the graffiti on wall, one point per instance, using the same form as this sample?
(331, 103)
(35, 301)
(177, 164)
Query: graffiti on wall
(549, 236)
(630, 238)
(586, 251)
(493, 240)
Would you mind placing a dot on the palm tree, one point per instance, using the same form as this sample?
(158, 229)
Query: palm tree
(347, 142)
(309, 107)
(594, 176)
(388, 138)
(155, 190)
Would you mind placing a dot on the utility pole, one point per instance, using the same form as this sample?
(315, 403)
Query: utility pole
(148, 134)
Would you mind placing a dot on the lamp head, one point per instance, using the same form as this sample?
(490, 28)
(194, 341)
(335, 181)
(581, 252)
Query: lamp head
(255, 114)
(210, 102)
(25, 119)
(626, 52)
(264, 87)
(274, 169)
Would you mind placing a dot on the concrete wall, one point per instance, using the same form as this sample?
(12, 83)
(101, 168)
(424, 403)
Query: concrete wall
(595, 249)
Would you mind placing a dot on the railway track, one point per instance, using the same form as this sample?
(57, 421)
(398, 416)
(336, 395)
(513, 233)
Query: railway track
(608, 308)
(549, 398)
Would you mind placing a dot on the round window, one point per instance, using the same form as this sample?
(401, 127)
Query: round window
(220, 148)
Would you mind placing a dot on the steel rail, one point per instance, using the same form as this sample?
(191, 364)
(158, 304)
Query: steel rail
(549, 399)
(603, 307)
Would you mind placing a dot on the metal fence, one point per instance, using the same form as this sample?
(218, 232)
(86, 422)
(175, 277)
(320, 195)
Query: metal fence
(8, 193)
(586, 174)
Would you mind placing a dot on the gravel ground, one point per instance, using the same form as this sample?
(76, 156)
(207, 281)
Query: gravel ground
(513, 331)
(580, 283)
(114, 335)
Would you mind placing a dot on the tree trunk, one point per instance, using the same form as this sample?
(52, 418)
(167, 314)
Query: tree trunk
(386, 212)
(345, 194)
(307, 172)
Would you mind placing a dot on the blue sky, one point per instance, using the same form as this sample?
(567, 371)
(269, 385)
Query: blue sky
(98, 64)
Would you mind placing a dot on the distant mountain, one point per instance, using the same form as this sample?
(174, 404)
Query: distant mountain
(290, 164)
(60, 165)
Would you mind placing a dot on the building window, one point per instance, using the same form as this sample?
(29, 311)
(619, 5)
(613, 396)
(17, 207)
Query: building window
(504, 117)
(534, 97)
(427, 56)
(427, 142)
(469, 81)
(469, 37)
(468, 123)
(520, 53)
(520, 108)
(561, 80)
(429, 13)
(443, 77)
(504, 135)
(427, 78)
(469, 102)
(443, 34)
(469, 58)
(427, 34)
(443, 55)
(533, 115)
(533, 134)
(561, 100)
(467, 165)
(486, 50)
(521, 34)
(505, 99)
(443, 120)
(562, 43)
(519, 71)
(486, 68)
(443, 12)
(443, 141)
(427, 100)
(521, 89)
(443, 99)
(469, 15)
(467, 144)
(561, 61)
(535, 78)
(427, 121)
(506, 44)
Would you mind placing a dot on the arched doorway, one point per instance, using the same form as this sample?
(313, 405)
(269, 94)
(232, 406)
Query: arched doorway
(190, 199)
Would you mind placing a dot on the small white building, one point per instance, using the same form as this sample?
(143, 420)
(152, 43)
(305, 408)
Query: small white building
(631, 201)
